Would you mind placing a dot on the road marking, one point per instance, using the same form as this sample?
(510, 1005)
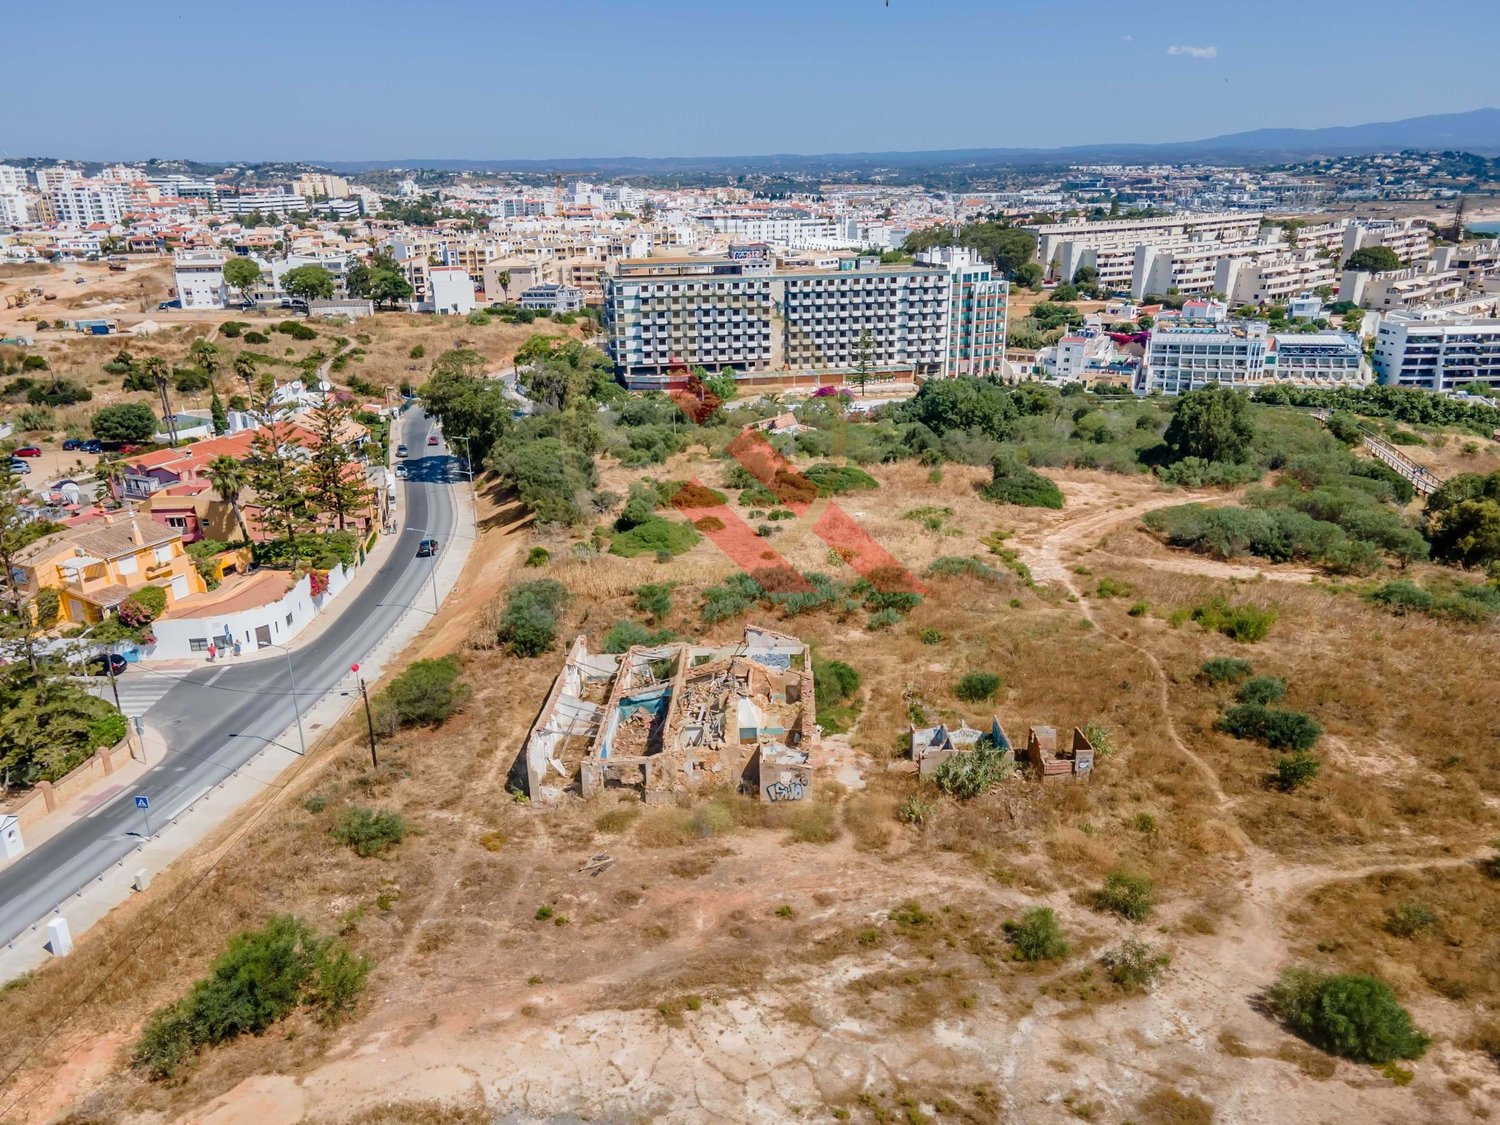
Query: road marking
(214, 677)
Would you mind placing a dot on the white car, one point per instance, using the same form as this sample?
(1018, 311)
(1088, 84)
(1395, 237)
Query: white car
(401, 471)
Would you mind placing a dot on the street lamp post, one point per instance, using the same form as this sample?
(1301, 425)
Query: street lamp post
(369, 718)
(469, 472)
(291, 680)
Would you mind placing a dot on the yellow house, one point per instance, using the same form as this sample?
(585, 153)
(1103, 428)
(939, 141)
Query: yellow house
(96, 566)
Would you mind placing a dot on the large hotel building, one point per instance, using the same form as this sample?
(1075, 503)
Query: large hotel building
(775, 324)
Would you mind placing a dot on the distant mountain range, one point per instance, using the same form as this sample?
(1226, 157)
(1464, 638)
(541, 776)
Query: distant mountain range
(1477, 131)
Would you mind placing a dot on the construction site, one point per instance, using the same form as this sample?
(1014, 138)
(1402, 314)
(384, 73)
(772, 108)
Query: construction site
(673, 718)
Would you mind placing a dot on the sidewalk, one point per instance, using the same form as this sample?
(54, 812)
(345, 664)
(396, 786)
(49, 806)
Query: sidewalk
(179, 829)
(85, 801)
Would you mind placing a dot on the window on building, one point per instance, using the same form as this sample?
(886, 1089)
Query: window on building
(197, 644)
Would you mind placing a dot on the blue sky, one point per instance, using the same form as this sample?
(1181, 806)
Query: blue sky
(382, 79)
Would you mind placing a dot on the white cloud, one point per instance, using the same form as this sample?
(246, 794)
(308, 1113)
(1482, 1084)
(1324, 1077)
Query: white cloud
(1194, 52)
(1129, 38)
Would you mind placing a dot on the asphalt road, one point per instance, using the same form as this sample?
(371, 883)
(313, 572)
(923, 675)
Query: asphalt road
(251, 702)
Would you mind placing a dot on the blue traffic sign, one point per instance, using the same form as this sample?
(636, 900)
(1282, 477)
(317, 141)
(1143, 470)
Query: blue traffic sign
(142, 803)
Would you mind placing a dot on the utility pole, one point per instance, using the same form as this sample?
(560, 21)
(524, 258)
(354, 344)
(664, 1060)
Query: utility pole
(369, 718)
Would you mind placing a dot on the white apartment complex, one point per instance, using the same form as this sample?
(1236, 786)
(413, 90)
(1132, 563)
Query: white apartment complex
(199, 277)
(1438, 352)
(1274, 278)
(1408, 238)
(14, 211)
(1412, 288)
(263, 203)
(322, 185)
(1191, 354)
(1110, 245)
(12, 179)
(80, 203)
(664, 316)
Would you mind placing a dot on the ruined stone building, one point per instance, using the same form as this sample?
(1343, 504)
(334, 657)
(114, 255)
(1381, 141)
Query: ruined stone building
(679, 716)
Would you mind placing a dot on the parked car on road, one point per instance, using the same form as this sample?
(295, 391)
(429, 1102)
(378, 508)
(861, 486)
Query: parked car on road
(107, 664)
(401, 450)
(19, 466)
(402, 472)
(427, 549)
(29, 451)
(432, 439)
(165, 305)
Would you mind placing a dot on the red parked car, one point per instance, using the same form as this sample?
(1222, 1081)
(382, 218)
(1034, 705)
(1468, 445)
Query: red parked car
(29, 451)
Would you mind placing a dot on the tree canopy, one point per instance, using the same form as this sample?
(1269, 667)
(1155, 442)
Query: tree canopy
(124, 422)
(1212, 424)
(242, 273)
(308, 282)
(1373, 259)
(1005, 247)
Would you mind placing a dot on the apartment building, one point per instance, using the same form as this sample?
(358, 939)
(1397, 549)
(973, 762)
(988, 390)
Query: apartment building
(80, 203)
(1412, 288)
(1408, 238)
(978, 304)
(322, 185)
(14, 211)
(552, 298)
(1192, 268)
(199, 278)
(450, 290)
(1321, 359)
(1478, 263)
(1265, 279)
(1186, 355)
(1109, 246)
(664, 315)
(263, 203)
(12, 179)
(1437, 351)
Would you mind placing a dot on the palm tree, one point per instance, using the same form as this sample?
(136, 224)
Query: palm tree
(503, 277)
(244, 368)
(206, 356)
(228, 479)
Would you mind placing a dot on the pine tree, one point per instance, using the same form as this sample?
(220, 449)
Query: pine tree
(220, 415)
(276, 471)
(335, 477)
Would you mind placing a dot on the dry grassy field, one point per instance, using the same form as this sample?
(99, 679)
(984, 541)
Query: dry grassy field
(839, 962)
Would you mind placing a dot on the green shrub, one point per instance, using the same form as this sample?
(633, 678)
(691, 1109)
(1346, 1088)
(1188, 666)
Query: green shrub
(1138, 609)
(427, 693)
(1280, 730)
(931, 636)
(1262, 690)
(1135, 966)
(1037, 936)
(370, 832)
(957, 566)
(975, 687)
(1112, 588)
(107, 730)
(528, 624)
(1013, 483)
(1128, 894)
(1225, 670)
(1243, 623)
(262, 976)
(295, 329)
(625, 635)
(538, 556)
(1350, 1015)
(654, 599)
(836, 480)
(417, 351)
(1408, 919)
(835, 688)
(1295, 770)
(653, 537)
(48, 604)
(971, 773)
(253, 337)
